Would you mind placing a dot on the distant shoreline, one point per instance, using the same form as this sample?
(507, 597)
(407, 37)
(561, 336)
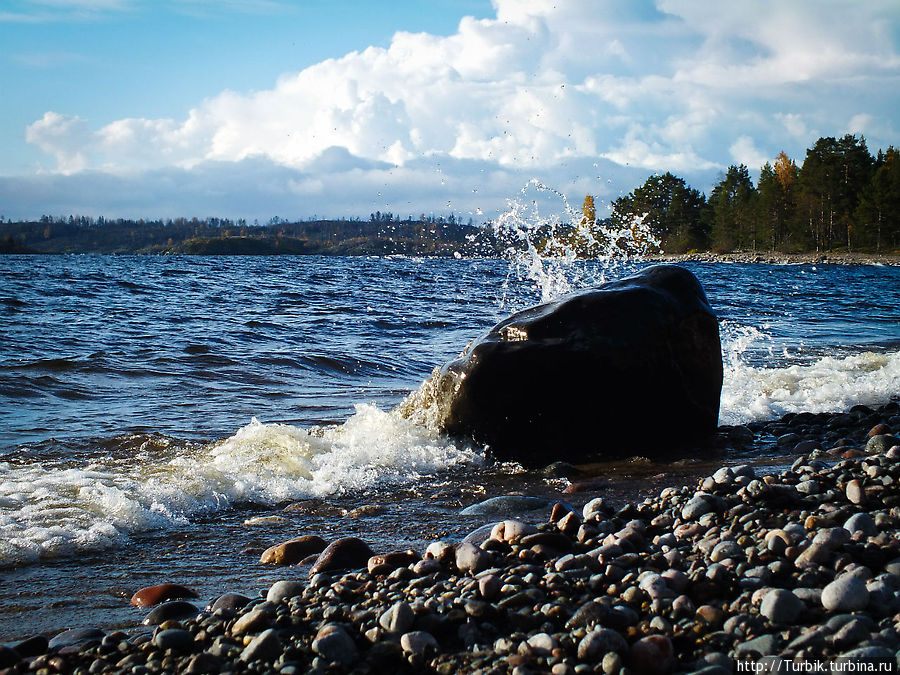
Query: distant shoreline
(774, 258)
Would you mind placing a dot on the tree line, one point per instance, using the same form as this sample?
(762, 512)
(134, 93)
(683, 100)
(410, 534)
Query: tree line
(841, 198)
(382, 234)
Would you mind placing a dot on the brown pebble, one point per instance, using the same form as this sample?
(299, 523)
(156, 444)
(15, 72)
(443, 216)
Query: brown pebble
(293, 551)
(388, 562)
(652, 655)
(153, 595)
(878, 429)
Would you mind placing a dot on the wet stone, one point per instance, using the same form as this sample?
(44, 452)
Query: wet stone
(176, 609)
(153, 595)
(173, 638)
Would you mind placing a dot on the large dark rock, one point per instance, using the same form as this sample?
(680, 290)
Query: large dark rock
(631, 367)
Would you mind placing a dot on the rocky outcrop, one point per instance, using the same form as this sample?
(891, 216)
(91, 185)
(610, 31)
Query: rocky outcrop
(631, 367)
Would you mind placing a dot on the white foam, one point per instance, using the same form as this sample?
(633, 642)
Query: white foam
(48, 511)
(830, 383)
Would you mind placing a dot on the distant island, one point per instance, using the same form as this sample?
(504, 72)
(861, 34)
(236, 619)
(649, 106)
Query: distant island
(840, 200)
(382, 234)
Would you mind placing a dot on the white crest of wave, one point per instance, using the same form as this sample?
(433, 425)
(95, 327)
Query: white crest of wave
(831, 383)
(49, 511)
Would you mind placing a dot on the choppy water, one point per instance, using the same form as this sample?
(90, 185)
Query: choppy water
(130, 389)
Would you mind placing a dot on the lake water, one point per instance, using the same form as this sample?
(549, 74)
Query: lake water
(151, 406)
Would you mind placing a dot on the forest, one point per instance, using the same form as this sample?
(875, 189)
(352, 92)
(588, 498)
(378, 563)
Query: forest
(839, 198)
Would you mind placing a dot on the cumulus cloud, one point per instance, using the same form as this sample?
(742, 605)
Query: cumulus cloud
(542, 88)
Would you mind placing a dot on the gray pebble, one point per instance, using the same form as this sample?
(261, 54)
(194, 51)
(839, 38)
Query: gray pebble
(334, 645)
(264, 647)
(845, 594)
(282, 590)
(781, 606)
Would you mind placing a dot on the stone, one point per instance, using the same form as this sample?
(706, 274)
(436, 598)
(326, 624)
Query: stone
(764, 645)
(652, 655)
(348, 553)
(398, 618)
(508, 530)
(418, 642)
(153, 595)
(264, 647)
(725, 550)
(599, 642)
(542, 644)
(173, 638)
(781, 606)
(253, 621)
(33, 646)
(489, 586)
(230, 602)
(76, 636)
(175, 609)
(854, 491)
(387, 562)
(861, 522)
(470, 558)
(293, 551)
(880, 443)
(847, 593)
(697, 506)
(334, 645)
(508, 505)
(283, 590)
(528, 383)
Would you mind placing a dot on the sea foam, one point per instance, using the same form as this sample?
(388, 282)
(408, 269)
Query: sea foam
(49, 511)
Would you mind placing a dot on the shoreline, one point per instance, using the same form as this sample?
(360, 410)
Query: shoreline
(677, 582)
(774, 258)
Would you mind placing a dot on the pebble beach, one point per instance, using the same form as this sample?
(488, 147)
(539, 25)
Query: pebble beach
(749, 567)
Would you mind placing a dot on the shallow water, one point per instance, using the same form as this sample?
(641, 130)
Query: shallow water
(129, 454)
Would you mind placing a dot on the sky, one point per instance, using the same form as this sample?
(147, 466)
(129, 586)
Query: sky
(338, 108)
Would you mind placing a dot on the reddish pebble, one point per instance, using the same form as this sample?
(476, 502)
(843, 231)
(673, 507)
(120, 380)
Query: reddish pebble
(153, 595)
(879, 429)
(652, 655)
(293, 551)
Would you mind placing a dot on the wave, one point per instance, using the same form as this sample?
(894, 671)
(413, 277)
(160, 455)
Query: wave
(827, 384)
(49, 510)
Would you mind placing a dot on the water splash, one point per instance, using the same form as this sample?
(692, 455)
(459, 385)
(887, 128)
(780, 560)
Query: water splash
(557, 248)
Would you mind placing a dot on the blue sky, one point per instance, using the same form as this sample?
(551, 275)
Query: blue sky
(256, 108)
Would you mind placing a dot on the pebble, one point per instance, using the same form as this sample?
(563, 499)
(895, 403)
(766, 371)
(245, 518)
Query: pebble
(471, 558)
(175, 609)
(264, 647)
(334, 645)
(283, 590)
(293, 551)
(652, 655)
(173, 638)
(599, 642)
(348, 553)
(418, 642)
(743, 564)
(398, 618)
(508, 505)
(845, 594)
(781, 606)
(153, 595)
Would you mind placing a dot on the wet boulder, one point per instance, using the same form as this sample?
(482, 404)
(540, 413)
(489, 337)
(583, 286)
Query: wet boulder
(631, 367)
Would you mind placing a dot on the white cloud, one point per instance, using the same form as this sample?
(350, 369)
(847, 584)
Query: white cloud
(545, 86)
(743, 151)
